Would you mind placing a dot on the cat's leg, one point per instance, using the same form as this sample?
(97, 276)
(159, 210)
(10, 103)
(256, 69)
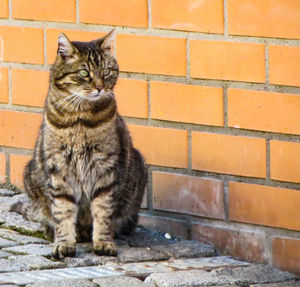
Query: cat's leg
(64, 214)
(102, 212)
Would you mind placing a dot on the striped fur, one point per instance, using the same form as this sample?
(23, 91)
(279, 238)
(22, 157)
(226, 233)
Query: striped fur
(85, 180)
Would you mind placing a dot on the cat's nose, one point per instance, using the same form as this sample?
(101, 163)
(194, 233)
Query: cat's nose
(99, 88)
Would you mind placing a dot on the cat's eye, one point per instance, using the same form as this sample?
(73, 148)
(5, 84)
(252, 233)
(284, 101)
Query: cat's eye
(83, 73)
(106, 72)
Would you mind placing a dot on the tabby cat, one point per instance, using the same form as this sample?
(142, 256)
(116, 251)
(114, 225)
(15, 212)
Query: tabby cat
(85, 180)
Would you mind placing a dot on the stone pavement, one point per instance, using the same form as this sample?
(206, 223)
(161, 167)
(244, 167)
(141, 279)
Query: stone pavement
(145, 258)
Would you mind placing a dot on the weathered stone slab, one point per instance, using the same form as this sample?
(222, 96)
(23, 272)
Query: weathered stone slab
(285, 284)
(191, 278)
(35, 262)
(24, 239)
(85, 259)
(4, 254)
(6, 192)
(143, 269)
(143, 237)
(4, 232)
(28, 262)
(64, 283)
(7, 243)
(12, 219)
(6, 202)
(30, 249)
(30, 277)
(122, 281)
(185, 249)
(241, 276)
(140, 254)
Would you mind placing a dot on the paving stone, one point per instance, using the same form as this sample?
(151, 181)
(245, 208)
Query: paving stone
(35, 262)
(64, 283)
(30, 249)
(6, 202)
(140, 254)
(85, 259)
(191, 278)
(30, 277)
(6, 243)
(4, 232)
(143, 237)
(122, 281)
(12, 219)
(29, 262)
(285, 284)
(24, 239)
(11, 266)
(4, 254)
(6, 192)
(185, 249)
(241, 276)
(143, 269)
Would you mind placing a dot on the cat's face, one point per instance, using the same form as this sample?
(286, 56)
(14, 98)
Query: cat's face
(86, 70)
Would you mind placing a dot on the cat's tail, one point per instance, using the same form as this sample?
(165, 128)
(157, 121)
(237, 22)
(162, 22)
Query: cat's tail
(27, 210)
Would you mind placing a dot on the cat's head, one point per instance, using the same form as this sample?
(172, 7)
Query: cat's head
(85, 69)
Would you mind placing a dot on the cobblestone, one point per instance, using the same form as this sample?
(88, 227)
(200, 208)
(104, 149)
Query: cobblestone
(6, 192)
(145, 259)
(241, 276)
(64, 283)
(123, 281)
(12, 219)
(6, 243)
(30, 249)
(286, 284)
(140, 254)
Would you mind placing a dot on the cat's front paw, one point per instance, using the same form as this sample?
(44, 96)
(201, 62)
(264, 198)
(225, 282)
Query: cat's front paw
(105, 247)
(63, 249)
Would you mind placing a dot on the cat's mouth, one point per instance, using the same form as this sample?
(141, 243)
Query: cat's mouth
(94, 96)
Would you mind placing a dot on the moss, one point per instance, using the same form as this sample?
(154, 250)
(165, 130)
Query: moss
(9, 186)
(38, 234)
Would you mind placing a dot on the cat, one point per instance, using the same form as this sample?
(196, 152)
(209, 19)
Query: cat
(85, 180)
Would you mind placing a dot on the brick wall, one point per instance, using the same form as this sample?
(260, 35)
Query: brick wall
(211, 92)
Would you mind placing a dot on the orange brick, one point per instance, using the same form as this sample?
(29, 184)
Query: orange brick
(2, 167)
(22, 44)
(3, 8)
(73, 35)
(187, 103)
(259, 110)
(19, 129)
(268, 18)
(229, 154)
(193, 15)
(286, 254)
(285, 164)
(238, 243)
(188, 194)
(175, 227)
(132, 98)
(264, 205)
(114, 12)
(3, 85)
(227, 61)
(154, 144)
(284, 67)
(29, 87)
(154, 55)
(17, 165)
(47, 10)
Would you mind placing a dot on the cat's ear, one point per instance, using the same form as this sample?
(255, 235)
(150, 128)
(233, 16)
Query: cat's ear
(65, 47)
(105, 42)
